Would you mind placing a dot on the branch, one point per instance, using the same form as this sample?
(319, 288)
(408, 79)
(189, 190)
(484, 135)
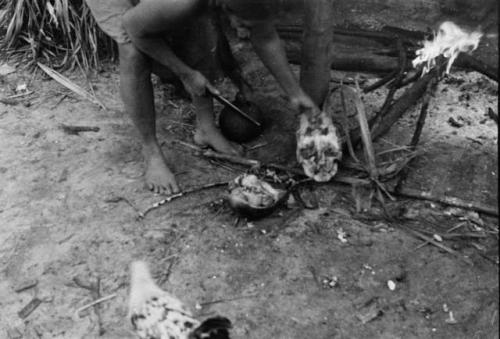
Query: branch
(451, 201)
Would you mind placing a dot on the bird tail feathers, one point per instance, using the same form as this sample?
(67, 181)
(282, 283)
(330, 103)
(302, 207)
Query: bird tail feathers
(213, 328)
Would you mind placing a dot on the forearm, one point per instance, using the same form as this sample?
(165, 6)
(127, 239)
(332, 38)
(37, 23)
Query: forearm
(268, 47)
(316, 54)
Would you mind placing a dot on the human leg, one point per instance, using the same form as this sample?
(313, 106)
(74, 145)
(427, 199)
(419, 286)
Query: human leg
(316, 60)
(137, 95)
(202, 54)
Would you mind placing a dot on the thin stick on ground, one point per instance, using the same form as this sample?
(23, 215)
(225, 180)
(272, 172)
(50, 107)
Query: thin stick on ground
(450, 201)
(220, 156)
(430, 240)
(348, 180)
(95, 302)
(157, 204)
(223, 300)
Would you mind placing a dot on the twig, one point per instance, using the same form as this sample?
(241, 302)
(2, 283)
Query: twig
(95, 302)
(29, 308)
(451, 201)
(439, 245)
(457, 235)
(97, 308)
(263, 144)
(116, 199)
(218, 301)
(164, 277)
(26, 285)
(75, 130)
(220, 156)
(95, 290)
(157, 204)
(20, 95)
(64, 96)
(78, 282)
(220, 164)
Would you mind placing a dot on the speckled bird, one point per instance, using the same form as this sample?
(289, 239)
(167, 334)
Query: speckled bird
(155, 314)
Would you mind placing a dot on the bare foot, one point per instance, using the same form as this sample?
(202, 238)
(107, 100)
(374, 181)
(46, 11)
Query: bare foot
(158, 177)
(211, 136)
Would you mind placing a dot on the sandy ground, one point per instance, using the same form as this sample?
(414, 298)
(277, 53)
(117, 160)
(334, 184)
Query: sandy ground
(69, 204)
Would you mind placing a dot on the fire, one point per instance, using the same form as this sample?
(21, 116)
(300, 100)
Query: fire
(449, 41)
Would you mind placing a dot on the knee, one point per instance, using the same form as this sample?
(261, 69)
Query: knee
(133, 60)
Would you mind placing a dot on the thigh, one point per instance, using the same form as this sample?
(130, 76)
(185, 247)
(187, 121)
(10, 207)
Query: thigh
(108, 15)
(197, 45)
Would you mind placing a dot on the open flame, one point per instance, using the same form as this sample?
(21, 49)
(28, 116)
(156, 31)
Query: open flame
(449, 41)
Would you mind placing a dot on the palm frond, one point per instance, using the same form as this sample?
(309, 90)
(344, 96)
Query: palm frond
(60, 33)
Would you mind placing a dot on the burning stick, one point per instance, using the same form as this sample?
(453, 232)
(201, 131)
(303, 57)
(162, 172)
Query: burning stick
(448, 42)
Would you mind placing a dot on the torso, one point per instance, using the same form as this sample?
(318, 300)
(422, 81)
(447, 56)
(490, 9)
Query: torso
(260, 9)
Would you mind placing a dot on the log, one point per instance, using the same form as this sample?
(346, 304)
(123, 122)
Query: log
(359, 61)
(388, 34)
(469, 62)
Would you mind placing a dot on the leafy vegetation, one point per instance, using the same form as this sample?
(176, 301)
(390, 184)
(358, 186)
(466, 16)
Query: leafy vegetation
(61, 33)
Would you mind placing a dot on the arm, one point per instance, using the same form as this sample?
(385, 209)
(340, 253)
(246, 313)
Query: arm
(268, 47)
(146, 24)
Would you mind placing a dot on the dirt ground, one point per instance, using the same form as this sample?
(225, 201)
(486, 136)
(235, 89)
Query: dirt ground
(69, 206)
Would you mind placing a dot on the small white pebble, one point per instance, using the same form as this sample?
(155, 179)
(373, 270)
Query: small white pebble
(197, 306)
(341, 235)
(445, 308)
(391, 284)
(437, 237)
